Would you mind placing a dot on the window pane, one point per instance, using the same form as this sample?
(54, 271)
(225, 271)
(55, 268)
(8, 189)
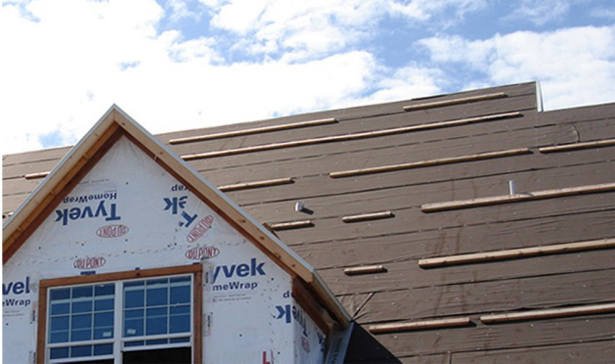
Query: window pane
(60, 294)
(133, 298)
(157, 342)
(81, 321)
(104, 319)
(104, 304)
(156, 326)
(104, 333)
(133, 314)
(157, 296)
(80, 335)
(79, 292)
(157, 312)
(180, 323)
(180, 294)
(78, 351)
(79, 307)
(179, 310)
(104, 289)
(60, 309)
(59, 353)
(104, 349)
(58, 337)
(179, 340)
(59, 323)
(133, 327)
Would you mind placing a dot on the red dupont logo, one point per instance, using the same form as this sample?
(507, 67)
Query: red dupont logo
(89, 262)
(202, 252)
(112, 231)
(200, 229)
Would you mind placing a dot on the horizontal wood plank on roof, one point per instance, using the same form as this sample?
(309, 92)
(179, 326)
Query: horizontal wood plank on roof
(288, 225)
(348, 137)
(365, 269)
(392, 150)
(326, 205)
(414, 220)
(494, 255)
(596, 129)
(490, 297)
(576, 146)
(548, 313)
(362, 125)
(518, 335)
(411, 247)
(522, 169)
(430, 162)
(404, 275)
(595, 352)
(422, 104)
(256, 184)
(519, 197)
(257, 130)
(419, 325)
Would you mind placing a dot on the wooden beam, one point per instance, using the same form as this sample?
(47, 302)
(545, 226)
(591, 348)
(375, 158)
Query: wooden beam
(516, 253)
(347, 137)
(462, 100)
(264, 129)
(536, 195)
(419, 325)
(366, 269)
(36, 175)
(575, 146)
(291, 225)
(308, 301)
(548, 313)
(368, 216)
(256, 184)
(429, 163)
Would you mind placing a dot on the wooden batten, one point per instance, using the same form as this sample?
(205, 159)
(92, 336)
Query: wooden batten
(516, 253)
(291, 225)
(576, 146)
(429, 163)
(530, 196)
(368, 216)
(256, 184)
(308, 301)
(366, 269)
(347, 137)
(461, 100)
(36, 175)
(548, 313)
(419, 325)
(264, 129)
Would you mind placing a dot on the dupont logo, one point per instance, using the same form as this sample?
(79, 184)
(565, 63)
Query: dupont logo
(89, 262)
(200, 229)
(112, 231)
(202, 252)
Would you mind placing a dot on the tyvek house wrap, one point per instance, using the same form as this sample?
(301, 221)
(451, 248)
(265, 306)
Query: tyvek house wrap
(129, 213)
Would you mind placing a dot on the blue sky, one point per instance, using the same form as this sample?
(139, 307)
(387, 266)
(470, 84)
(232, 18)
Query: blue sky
(176, 65)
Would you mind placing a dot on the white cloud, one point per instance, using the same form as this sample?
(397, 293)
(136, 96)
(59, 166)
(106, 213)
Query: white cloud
(66, 70)
(565, 60)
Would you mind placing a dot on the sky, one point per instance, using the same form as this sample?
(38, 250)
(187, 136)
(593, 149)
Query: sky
(175, 65)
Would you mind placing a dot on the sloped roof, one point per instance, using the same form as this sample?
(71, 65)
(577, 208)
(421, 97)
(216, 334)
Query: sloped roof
(414, 210)
(114, 124)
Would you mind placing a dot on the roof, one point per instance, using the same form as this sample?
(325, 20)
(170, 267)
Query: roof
(443, 225)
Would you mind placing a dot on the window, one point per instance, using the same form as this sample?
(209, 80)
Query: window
(148, 316)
